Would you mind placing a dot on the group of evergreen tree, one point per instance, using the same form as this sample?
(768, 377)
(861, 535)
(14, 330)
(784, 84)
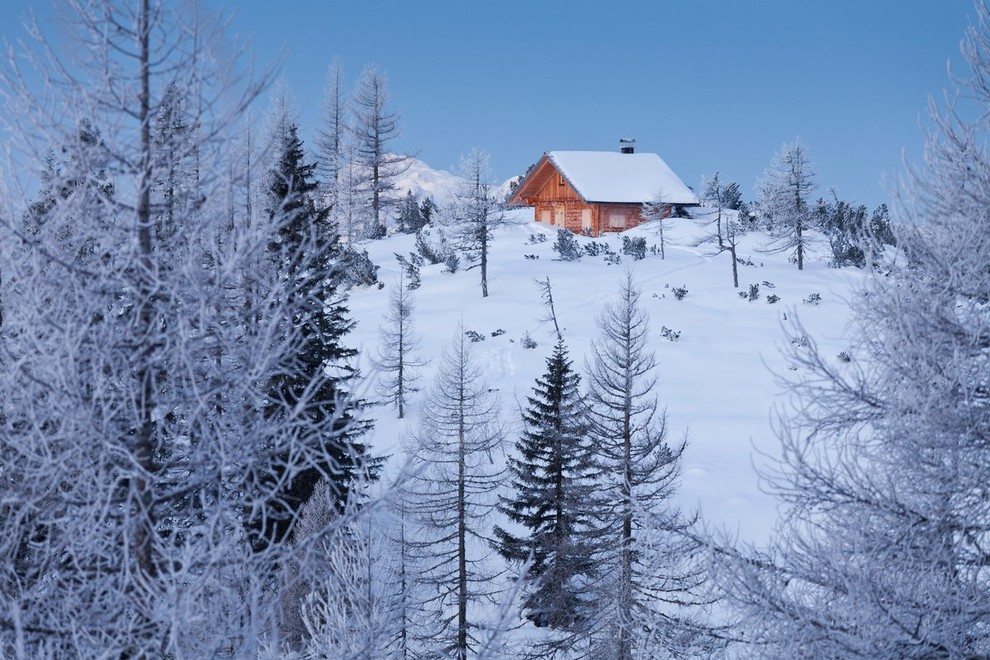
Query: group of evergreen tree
(786, 210)
(177, 380)
(593, 478)
(856, 237)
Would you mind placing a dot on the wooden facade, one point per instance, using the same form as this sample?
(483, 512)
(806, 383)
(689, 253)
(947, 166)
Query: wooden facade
(557, 203)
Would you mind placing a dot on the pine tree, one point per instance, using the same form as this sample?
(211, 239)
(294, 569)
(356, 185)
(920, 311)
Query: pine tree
(410, 216)
(304, 259)
(427, 209)
(552, 478)
(785, 199)
(658, 212)
(728, 227)
(645, 602)
(477, 212)
(397, 362)
(332, 140)
(450, 499)
(375, 129)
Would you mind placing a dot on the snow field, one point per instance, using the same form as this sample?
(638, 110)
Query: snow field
(719, 381)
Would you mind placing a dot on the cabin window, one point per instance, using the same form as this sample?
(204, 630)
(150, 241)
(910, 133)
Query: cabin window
(617, 220)
(560, 180)
(586, 218)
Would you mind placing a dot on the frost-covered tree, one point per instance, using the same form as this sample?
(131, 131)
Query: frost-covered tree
(644, 601)
(477, 212)
(553, 482)
(450, 499)
(131, 427)
(303, 254)
(397, 361)
(784, 198)
(356, 606)
(714, 196)
(726, 200)
(332, 139)
(883, 547)
(375, 130)
(658, 212)
(411, 218)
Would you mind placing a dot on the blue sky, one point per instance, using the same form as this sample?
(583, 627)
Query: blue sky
(708, 84)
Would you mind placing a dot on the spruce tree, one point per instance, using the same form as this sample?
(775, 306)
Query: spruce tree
(552, 477)
(304, 257)
(410, 216)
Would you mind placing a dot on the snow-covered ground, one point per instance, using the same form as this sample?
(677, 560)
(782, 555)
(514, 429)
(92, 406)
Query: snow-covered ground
(718, 380)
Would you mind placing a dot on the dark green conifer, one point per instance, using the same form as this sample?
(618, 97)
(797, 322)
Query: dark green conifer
(317, 384)
(553, 480)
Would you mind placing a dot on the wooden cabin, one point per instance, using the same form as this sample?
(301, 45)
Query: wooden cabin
(598, 191)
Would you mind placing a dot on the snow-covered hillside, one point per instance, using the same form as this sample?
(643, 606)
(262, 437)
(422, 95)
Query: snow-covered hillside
(717, 380)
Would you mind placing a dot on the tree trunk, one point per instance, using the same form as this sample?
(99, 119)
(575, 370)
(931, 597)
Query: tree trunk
(484, 256)
(462, 594)
(735, 264)
(140, 496)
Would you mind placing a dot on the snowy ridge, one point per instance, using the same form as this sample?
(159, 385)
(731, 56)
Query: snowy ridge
(442, 185)
(424, 181)
(718, 378)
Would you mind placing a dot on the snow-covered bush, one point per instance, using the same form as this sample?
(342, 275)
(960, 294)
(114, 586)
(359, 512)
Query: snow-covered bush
(634, 247)
(433, 250)
(567, 246)
(356, 267)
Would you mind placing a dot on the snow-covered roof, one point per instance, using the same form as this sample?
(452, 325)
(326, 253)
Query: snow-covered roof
(612, 177)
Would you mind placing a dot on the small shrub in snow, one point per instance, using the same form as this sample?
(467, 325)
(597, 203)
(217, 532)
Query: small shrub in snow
(801, 341)
(679, 292)
(498, 333)
(375, 231)
(411, 269)
(597, 248)
(475, 337)
(813, 299)
(527, 341)
(567, 246)
(769, 285)
(452, 263)
(634, 247)
(537, 238)
(772, 298)
(434, 253)
(532, 256)
(754, 292)
(357, 268)
(612, 259)
(744, 261)
(670, 335)
(743, 295)
(844, 356)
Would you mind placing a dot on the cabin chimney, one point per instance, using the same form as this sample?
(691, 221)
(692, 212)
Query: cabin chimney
(627, 146)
